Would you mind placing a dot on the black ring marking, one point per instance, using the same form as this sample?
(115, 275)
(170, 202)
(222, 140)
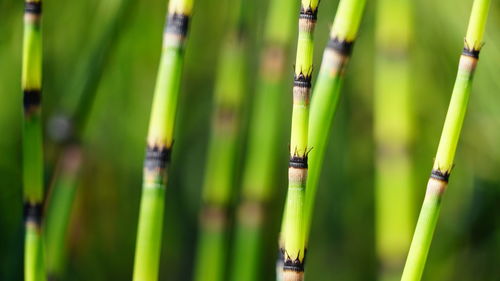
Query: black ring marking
(33, 213)
(177, 24)
(298, 162)
(302, 81)
(471, 52)
(34, 8)
(308, 14)
(157, 157)
(341, 46)
(437, 174)
(32, 98)
(294, 265)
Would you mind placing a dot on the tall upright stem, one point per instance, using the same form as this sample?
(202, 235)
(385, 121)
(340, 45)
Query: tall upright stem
(34, 268)
(220, 175)
(327, 92)
(393, 129)
(450, 135)
(264, 140)
(159, 142)
(294, 231)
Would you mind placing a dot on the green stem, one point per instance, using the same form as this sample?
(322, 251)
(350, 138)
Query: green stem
(34, 268)
(220, 177)
(264, 141)
(443, 163)
(393, 135)
(294, 231)
(160, 140)
(327, 92)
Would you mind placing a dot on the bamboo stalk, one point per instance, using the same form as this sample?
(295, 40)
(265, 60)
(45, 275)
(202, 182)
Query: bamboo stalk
(67, 129)
(224, 145)
(265, 137)
(294, 231)
(159, 142)
(34, 268)
(393, 126)
(450, 135)
(327, 92)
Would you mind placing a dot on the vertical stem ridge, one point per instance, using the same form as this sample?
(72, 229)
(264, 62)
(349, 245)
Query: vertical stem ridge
(160, 140)
(450, 135)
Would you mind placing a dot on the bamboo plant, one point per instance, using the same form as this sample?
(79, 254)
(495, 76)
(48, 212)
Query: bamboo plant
(443, 163)
(224, 145)
(327, 92)
(68, 127)
(34, 267)
(293, 233)
(393, 136)
(160, 140)
(265, 138)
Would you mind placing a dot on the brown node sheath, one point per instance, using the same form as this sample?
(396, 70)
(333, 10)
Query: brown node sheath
(33, 213)
(157, 158)
(251, 213)
(438, 182)
(32, 11)
(307, 18)
(272, 62)
(176, 28)
(293, 269)
(214, 217)
(302, 88)
(31, 100)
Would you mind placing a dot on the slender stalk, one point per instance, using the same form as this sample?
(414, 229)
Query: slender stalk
(159, 142)
(294, 230)
(393, 135)
(34, 268)
(67, 129)
(443, 162)
(265, 138)
(327, 92)
(220, 180)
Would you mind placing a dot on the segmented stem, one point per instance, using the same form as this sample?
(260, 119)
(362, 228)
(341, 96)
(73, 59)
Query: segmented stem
(34, 268)
(265, 138)
(327, 92)
(220, 180)
(450, 135)
(160, 140)
(393, 129)
(294, 231)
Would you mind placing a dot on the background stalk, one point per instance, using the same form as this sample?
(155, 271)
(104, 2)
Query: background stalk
(66, 130)
(224, 146)
(293, 219)
(326, 94)
(393, 131)
(34, 268)
(265, 138)
(159, 142)
(450, 135)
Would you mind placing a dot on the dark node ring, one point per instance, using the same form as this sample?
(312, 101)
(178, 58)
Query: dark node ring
(302, 81)
(31, 98)
(177, 24)
(157, 157)
(298, 162)
(471, 52)
(437, 174)
(308, 14)
(33, 213)
(293, 265)
(33, 8)
(342, 47)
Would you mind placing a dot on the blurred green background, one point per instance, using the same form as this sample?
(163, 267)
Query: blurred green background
(103, 225)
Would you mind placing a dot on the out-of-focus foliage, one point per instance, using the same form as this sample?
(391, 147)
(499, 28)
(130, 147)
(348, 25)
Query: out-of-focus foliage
(103, 228)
